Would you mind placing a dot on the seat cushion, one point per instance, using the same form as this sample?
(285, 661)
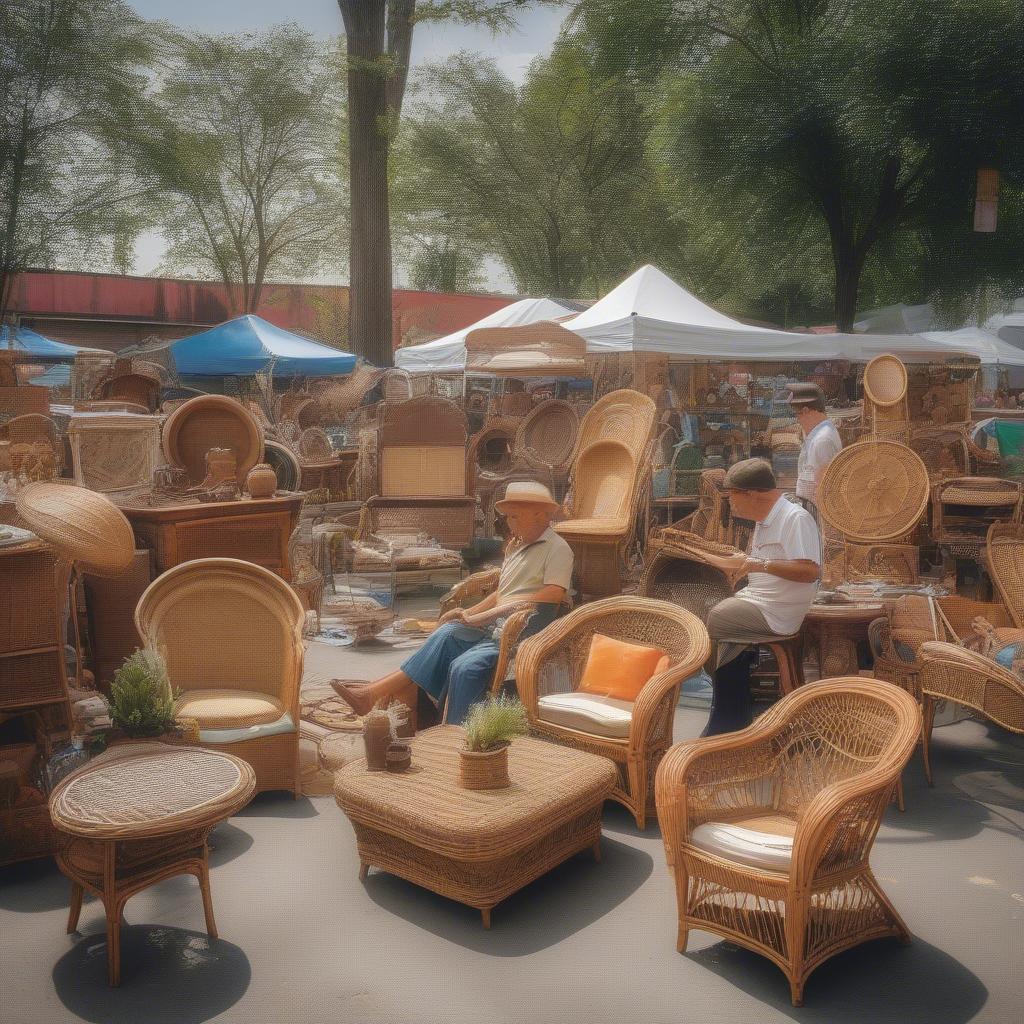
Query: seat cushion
(587, 712)
(616, 668)
(228, 709)
(768, 847)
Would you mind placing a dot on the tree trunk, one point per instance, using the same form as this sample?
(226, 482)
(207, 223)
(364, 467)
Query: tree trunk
(370, 255)
(848, 267)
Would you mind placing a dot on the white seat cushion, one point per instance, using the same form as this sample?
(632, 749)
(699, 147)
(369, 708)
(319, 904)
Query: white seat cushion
(766, 850)
(228, 709)
(587, 712)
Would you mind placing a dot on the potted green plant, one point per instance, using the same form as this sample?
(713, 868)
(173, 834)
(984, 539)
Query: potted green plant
(141, 698)
(490, 728)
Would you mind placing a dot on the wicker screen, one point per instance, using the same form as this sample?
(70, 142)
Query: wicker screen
(423, 471)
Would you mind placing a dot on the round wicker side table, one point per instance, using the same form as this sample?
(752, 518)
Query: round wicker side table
(138, 814)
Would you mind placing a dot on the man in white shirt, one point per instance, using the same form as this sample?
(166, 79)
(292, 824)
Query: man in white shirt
(782, 573)
(821, 439)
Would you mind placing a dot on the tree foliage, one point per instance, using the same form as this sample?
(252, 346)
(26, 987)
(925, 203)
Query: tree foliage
(243, 141)
(553, 177)
(71, 77)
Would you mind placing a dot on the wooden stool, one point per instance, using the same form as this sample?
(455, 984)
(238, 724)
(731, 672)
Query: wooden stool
(789, 655)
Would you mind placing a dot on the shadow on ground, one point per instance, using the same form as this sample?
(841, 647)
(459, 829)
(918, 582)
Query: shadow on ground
(278, 805)
(558, 904)
(33, 887)
(167, 974)
(878, 982)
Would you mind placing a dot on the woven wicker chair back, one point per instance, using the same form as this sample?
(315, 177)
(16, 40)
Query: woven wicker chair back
(315, 445)
(423, 421)
(625, 416)
(222, 623)
(547, 437)
(1005, 550)
(605, 481)
(686, 582)
(943, 451)
(339, 398)
(958, 613)
(34, 428)
(651, 623)
(839, 729)
(885, 381)
(874, 491)
(397, 386)
(131, 387)
(212, 421)
(490, 449)
(422, 471)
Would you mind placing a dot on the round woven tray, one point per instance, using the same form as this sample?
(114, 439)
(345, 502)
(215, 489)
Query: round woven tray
(547, 436)
(885, 381)
(284, 463)
(212, 421)
(85, 527)
(874, 490)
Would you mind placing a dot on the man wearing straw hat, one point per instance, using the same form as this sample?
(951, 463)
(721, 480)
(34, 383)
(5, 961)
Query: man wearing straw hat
(458, 659)
(782, 573)
(821, 440)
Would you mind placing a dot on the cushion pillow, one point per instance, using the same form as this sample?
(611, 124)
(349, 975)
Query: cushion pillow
(1006, 656)
(756, 849)
(228, 709)
(587, 712)
(619, 669)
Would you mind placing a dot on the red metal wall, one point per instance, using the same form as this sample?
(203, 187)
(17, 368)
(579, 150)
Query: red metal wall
(318, 310)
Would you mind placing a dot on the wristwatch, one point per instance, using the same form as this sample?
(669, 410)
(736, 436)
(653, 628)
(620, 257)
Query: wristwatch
(764, 564)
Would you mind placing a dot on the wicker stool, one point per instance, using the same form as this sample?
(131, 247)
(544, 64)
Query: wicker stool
(789, 655)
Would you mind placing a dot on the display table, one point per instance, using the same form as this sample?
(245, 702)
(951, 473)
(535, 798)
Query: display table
(252, 529)
(140, 813)
(475, 846)
(835, 629)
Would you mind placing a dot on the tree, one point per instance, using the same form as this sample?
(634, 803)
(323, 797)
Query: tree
(552, 177)
(379, 36)
(242, 144)
(71, 72)
(831, 109)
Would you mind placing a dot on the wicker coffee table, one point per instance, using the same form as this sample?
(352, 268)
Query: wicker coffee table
(475, 846)
(138, 814)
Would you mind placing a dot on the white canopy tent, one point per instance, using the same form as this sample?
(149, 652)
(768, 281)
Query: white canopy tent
(1009, 326)
(448, 354)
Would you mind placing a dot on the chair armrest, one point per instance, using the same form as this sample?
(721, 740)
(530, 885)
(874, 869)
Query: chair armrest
(510, 632)
(473, 588)
(651, 697)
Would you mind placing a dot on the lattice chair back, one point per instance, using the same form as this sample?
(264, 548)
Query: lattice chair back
(1005, 549)
(547, 437)
(422, 449)
(625, 416)
(225, 624)
(839, 732)
(605, 482)
(885, 394)
(686, 582)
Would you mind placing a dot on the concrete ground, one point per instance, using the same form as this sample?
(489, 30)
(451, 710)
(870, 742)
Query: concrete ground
(304, 941)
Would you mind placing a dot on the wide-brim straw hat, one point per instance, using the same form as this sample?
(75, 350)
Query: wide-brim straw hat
(526, 492)
(84, 527)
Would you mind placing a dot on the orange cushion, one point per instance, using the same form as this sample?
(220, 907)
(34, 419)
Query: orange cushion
(618, 669)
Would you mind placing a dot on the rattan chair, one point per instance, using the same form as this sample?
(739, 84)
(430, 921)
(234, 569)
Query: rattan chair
(552, 662)
(1004, 547)
(600, 514)
(231, 632)
(953, 673)
(965, 508)
(34, 428)
(885, 395)
(768, 831)
(624, 416)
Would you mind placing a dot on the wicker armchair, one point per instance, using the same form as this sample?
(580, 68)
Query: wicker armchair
(953, 673)
(768, 831)
(1004, 548)
(231, 632)
(552, 662)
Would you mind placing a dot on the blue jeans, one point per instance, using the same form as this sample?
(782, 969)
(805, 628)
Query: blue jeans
(457, 663)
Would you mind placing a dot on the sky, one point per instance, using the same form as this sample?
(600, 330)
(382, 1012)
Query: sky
(533, 36)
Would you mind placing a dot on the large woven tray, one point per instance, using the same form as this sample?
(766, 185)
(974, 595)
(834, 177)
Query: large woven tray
(874, 491)
(212, 421)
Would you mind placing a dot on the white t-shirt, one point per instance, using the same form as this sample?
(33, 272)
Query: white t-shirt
(820, 447)
(789, 532)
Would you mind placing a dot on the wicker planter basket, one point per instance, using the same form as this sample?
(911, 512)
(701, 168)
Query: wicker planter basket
(484, 769)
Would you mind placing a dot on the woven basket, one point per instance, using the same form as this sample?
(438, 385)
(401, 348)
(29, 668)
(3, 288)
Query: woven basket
(212, 421)
(874, 491)
(486, 769)
(85, 527)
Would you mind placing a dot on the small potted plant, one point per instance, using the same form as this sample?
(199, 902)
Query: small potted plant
(141, 698)
(490, 728)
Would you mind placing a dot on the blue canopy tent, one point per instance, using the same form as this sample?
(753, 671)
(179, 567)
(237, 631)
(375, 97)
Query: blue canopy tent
(35, 346)
(249, 344)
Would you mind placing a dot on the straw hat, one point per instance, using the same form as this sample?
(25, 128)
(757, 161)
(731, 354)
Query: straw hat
(526, 492)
